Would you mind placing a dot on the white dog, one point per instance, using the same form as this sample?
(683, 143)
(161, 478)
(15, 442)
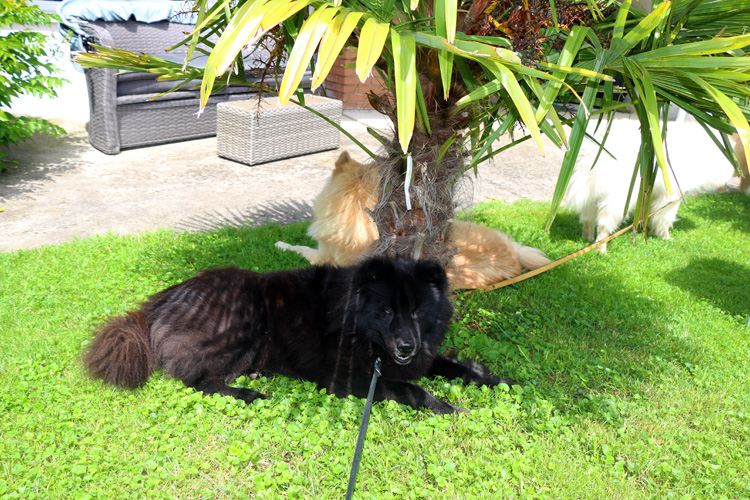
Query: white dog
(599, 194)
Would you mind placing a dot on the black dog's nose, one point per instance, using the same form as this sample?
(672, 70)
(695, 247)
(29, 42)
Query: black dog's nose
(404, 348)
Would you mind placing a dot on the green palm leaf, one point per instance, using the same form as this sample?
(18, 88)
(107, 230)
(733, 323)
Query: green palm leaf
(404, 65)
(333, 41)
(304, 47)
(372, 38)
(445, 27)
(733, 112)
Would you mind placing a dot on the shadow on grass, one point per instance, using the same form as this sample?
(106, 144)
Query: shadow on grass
(245, 247)
(684, 223)
(718, 282)
(565, 227)
(585, 330)
(731, 208)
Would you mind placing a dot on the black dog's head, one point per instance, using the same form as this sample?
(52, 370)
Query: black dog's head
(403, 308)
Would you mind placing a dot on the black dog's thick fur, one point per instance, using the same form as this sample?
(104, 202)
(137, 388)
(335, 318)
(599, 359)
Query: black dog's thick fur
(323, 324)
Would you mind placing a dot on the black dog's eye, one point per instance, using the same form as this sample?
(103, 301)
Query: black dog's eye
(387, 312)
(416, 313)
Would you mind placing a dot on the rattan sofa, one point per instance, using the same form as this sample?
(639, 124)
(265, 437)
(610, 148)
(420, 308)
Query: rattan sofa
(123, 111)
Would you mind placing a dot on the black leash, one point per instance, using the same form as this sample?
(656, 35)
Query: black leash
(363, 430)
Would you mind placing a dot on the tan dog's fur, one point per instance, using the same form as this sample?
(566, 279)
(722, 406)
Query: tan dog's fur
(344, 231)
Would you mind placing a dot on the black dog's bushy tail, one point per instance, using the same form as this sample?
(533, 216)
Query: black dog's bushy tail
(121, 352)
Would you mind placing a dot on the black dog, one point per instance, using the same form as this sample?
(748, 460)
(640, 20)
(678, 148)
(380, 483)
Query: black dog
(323, 324)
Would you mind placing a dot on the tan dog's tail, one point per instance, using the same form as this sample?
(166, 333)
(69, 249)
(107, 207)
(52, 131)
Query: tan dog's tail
(532, 258)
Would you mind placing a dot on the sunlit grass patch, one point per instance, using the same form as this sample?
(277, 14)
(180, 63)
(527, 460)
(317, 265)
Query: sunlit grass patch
(634, 368)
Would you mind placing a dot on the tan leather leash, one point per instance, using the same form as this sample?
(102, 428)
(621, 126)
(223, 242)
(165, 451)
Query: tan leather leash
(557, 262)
(546, 267)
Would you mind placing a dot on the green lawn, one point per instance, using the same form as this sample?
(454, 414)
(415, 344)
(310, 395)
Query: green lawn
(635, 365)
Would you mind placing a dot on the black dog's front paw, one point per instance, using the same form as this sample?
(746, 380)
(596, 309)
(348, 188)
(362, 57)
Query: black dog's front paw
(509, 382)
(494, 381)
(414, 396)
(468, 371)
(246, 395)
(444, 408)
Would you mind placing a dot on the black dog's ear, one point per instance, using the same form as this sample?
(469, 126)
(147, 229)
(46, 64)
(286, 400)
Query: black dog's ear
(429, 271)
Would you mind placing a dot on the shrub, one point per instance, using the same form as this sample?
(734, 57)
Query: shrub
(24, 69)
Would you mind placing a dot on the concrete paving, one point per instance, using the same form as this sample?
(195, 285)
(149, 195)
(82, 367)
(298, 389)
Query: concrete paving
(62, 188)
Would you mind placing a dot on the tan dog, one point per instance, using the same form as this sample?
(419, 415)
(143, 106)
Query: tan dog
(344, 231)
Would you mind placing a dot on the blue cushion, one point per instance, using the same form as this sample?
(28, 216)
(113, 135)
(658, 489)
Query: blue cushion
(146, 11)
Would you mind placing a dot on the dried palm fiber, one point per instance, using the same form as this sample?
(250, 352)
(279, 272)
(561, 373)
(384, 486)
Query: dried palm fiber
(422, 231)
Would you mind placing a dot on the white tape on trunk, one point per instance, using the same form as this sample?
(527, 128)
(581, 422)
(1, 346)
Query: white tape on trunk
(407, 182)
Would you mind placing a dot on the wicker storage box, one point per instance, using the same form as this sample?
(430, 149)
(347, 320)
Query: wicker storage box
(243, 134)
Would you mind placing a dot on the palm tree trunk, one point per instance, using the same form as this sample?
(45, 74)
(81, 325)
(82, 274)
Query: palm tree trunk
(417, 224)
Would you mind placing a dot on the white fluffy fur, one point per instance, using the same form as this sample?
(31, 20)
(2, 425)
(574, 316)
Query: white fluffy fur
(344, 232)
(598, 195)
